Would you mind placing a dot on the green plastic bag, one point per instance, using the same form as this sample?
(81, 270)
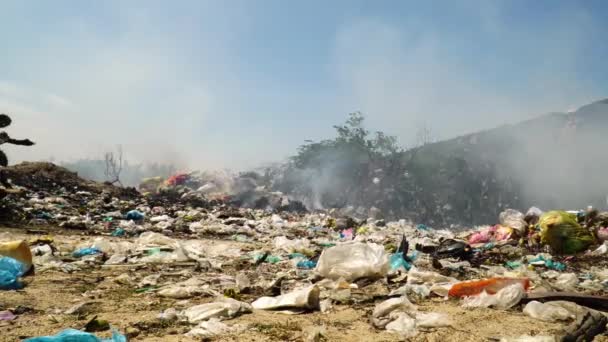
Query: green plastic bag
(561, 231)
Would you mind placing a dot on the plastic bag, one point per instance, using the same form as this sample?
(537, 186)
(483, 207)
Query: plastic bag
(382, 312)
(491, 286)
(353, 261)
(293, 246)
(404, 325)
(548, 312)
(503, 299)
(211, 328)
(85, 251)
(513, 219)
(398, 262)
(432, 320)
(10, 272)
(492, 234)
(223, 308)
(561, 231)
(135, 215)
(303, 299)
(566, 281)
(73, 335)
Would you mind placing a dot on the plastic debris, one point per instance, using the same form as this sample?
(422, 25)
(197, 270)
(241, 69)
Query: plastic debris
(222, 308)
(561, 231)
(7, 316)
(135, 215)
(296, 301)
(10, 272)
(398, 262)
(213, 327)
(86, 251)
(491, 286)
(72, 335)
(504, 299)
(353, 261)
(18, 250)
(549, 312)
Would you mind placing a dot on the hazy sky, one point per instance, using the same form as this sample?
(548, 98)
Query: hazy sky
(234, 83)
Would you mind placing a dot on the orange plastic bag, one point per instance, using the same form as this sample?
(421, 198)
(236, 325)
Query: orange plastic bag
(491, 286)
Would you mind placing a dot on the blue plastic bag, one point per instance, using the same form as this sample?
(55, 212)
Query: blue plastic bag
(10, 271)
(85, 251)
(118, 232)
(135, 215)
(422, 227)
(73, 335)
(306, 264)
(397, 262)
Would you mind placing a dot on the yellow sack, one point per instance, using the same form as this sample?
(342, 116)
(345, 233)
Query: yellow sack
(18, 250)
(561, 231)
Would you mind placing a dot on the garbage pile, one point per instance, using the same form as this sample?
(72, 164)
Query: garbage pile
(208, 269)
(246, 190)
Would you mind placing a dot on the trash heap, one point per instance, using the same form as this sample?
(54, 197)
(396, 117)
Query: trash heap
(178, 263)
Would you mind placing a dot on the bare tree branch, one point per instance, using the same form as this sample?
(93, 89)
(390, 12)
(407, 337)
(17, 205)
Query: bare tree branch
(114, 166)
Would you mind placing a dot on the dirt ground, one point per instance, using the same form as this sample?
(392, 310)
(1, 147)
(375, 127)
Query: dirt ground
(48, 294)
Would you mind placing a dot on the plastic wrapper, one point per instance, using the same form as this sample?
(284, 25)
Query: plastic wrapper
(353, 261)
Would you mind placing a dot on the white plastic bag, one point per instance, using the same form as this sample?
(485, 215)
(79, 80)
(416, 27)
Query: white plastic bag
(223, 308)
(292, 246)
(213, 327)
(353, 261)
(548, 312)
(504, 299)
(385, 311)
(299, 300)
(566, 281)
(432, 320)
(404, 325)
(513, 219)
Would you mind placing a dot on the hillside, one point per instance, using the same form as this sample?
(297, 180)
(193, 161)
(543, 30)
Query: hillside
(553, 161)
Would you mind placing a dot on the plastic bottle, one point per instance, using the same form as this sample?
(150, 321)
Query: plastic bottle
(491, 286)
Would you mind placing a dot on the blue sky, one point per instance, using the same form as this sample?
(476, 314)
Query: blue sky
(237, 83)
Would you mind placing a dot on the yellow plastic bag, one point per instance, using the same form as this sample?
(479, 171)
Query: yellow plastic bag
(18, 250)
(561, 231)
